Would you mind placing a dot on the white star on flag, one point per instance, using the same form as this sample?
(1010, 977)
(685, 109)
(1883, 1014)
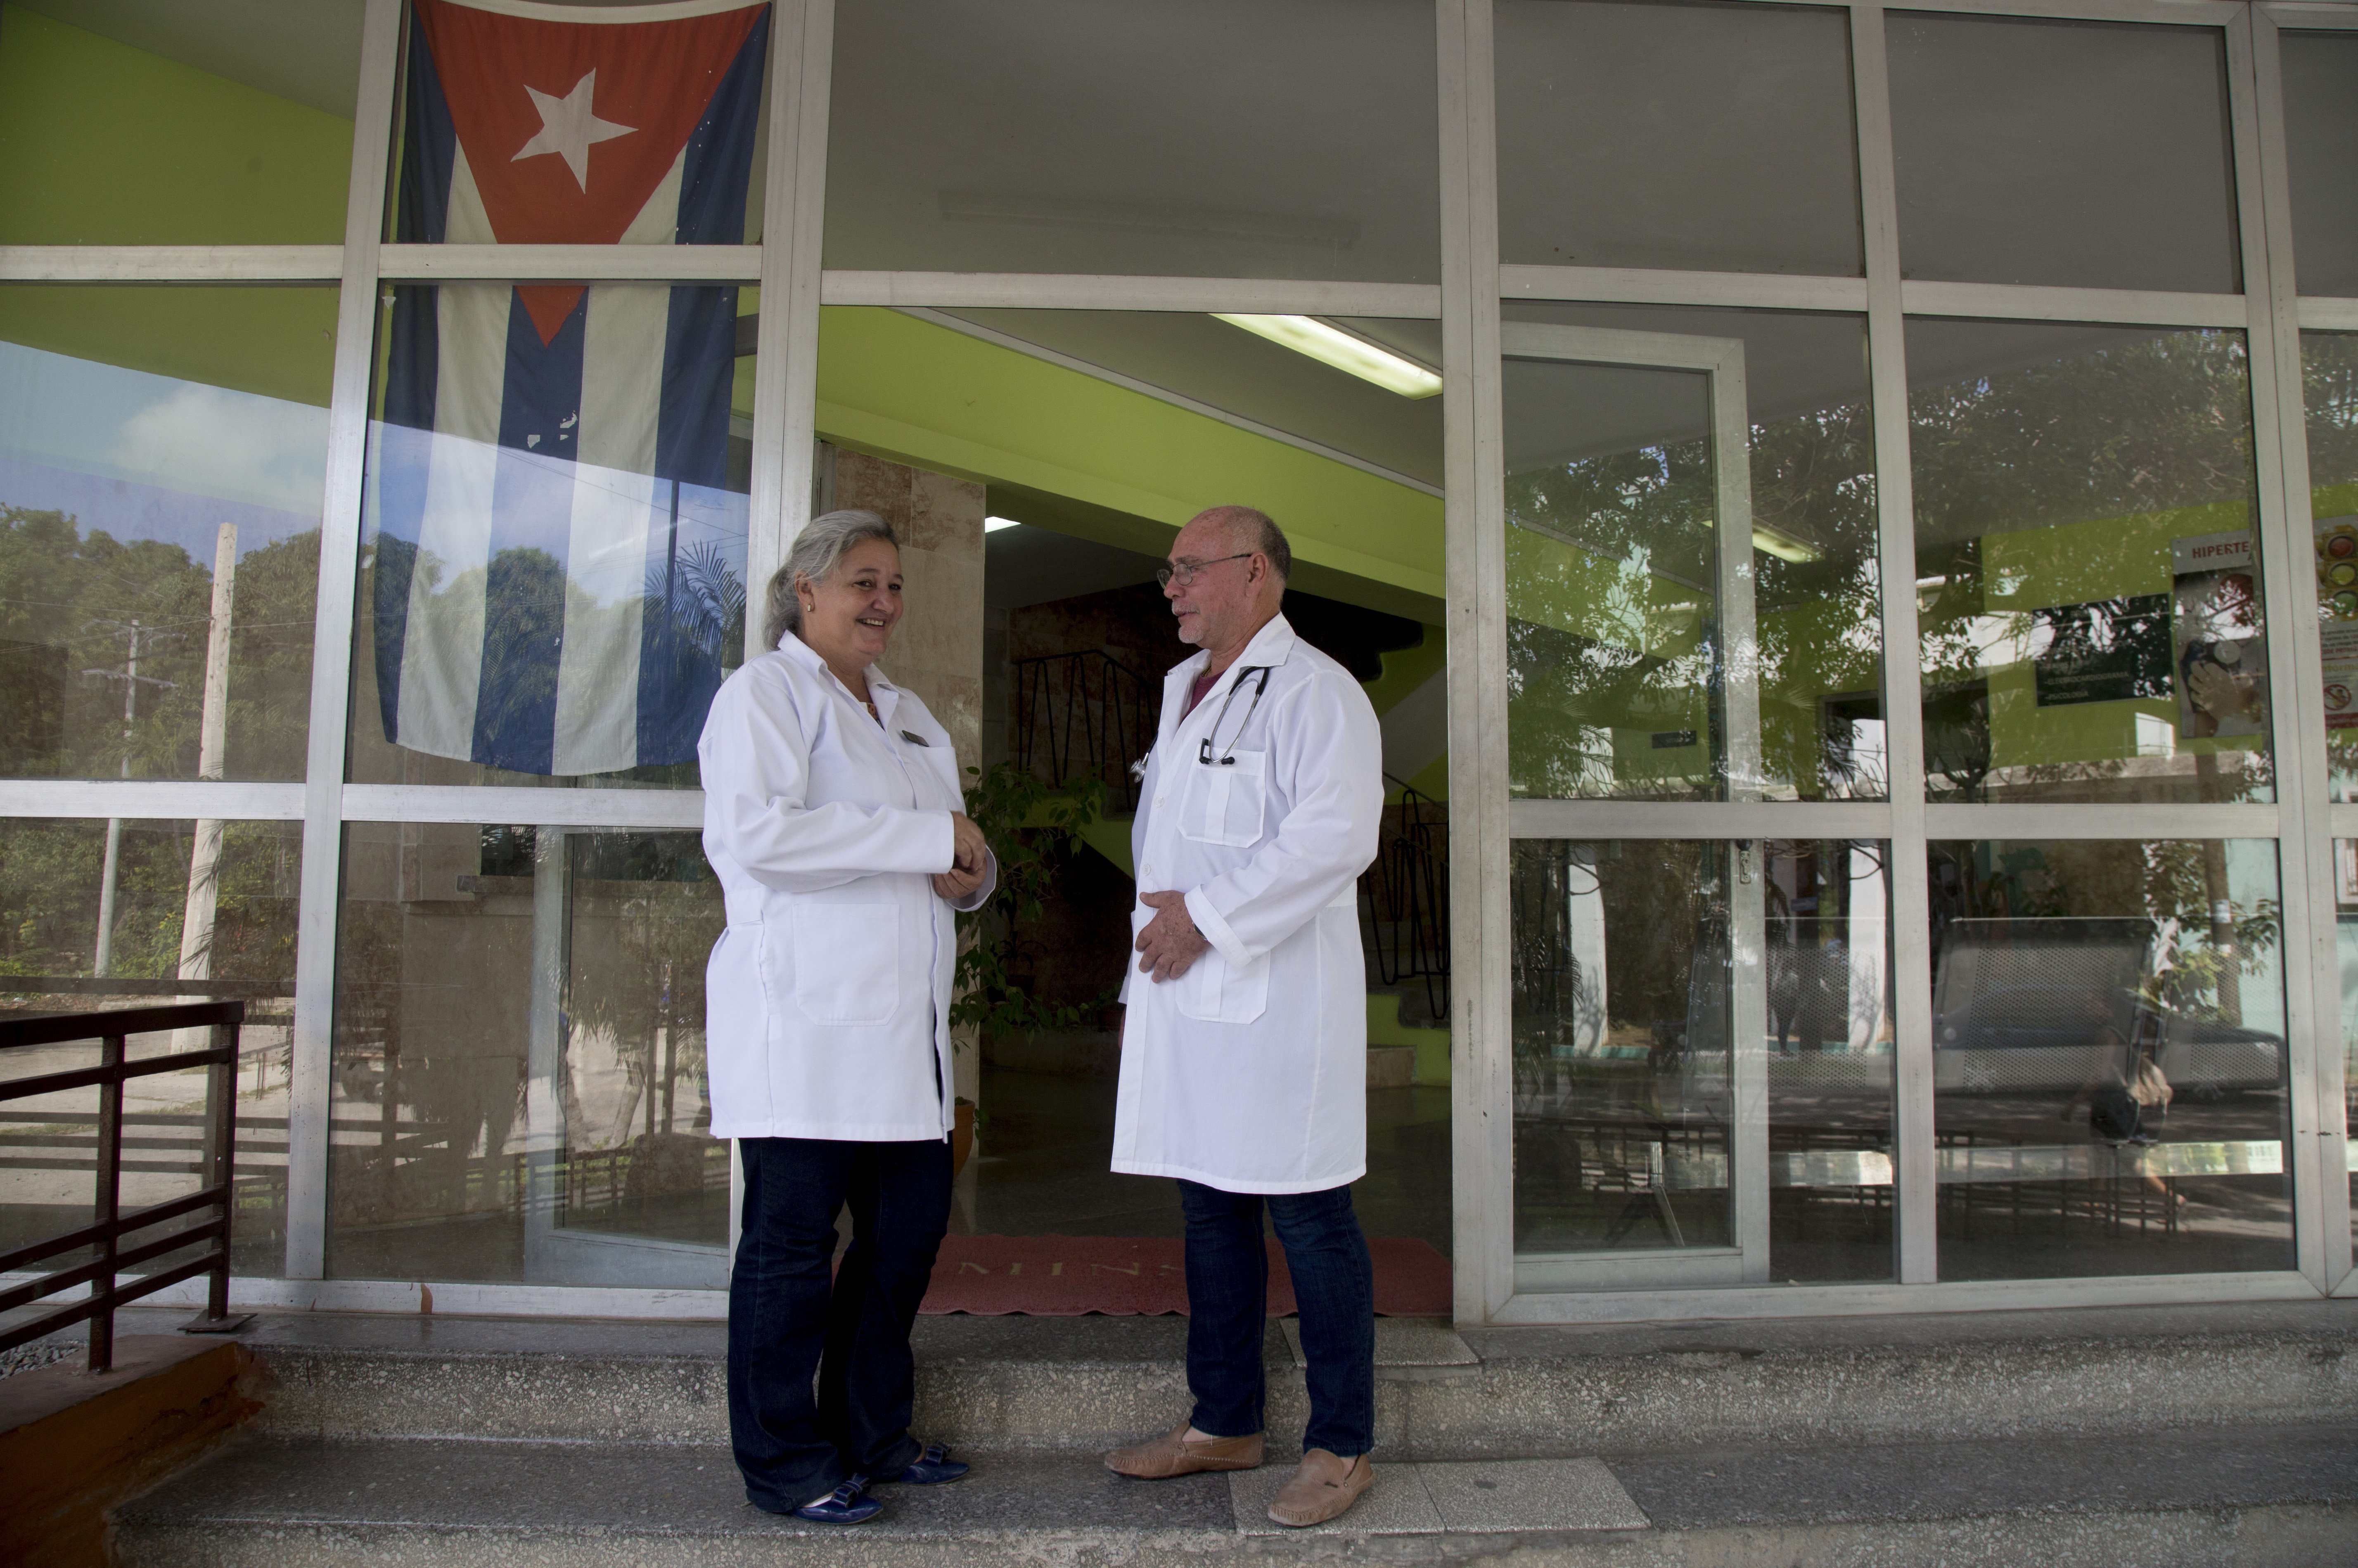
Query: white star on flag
(569, 128)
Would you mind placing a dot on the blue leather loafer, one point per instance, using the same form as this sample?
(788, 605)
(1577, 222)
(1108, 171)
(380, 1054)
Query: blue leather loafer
(934, 1467)
(847, 1504)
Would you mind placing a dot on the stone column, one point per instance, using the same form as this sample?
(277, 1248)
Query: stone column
(937, 648)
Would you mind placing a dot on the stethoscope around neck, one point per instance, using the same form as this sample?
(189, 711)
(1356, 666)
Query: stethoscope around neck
(1228, 759)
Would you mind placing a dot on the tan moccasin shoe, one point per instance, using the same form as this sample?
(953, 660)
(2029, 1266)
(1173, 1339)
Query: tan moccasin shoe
(1171, 1454)
(1321, 1488)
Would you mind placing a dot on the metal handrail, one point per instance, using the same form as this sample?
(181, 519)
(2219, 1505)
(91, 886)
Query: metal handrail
(1407, 888)
(109, 1224)
(1096, 720)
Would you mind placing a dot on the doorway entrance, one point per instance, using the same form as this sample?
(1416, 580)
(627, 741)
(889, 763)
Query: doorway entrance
(1094, 435)
(1702, 1028)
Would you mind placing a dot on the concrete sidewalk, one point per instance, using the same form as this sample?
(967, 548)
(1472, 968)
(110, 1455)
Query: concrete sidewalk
(2150, 1435)
(2222, 1495)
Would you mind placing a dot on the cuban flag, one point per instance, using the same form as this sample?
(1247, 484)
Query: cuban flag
(559, 559)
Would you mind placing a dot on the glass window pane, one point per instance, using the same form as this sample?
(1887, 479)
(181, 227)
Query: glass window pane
(627, 130)
(178, 124)
(2086, 562)
(552, 581)
(1739, 157)
(2081, 153)
(2109, 1058)
(1619, 681)
(520, 1089)
(2321, 158)
(163, 455)
(2329, 363)
(108, 915)
(2345, 900)
(1223, 138)
(1643, 1051)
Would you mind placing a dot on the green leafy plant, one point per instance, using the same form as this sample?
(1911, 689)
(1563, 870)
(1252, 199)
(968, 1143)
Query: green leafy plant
(1033, 828)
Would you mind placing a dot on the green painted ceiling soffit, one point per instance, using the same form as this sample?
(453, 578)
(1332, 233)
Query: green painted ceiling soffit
(102, 144)
(1105, 463)
(105, 145)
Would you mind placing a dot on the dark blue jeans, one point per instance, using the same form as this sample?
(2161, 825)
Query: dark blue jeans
(785, 1320)
(1227, 1305)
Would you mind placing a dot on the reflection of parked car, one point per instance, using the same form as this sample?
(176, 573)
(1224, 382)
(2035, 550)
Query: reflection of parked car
(2033, 1039)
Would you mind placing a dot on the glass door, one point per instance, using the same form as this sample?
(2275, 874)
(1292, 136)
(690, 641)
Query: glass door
(1641, 981)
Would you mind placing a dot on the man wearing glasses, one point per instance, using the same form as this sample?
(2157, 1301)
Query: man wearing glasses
(1245, 1040)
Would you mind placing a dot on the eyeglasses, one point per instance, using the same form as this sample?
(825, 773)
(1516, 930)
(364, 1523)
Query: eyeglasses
(1185, 570)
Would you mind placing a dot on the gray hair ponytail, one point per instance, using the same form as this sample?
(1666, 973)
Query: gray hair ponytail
(818, 550)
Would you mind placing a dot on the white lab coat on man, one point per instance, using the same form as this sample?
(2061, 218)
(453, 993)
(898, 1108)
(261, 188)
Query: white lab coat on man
(827, 998)
(1249, 1072)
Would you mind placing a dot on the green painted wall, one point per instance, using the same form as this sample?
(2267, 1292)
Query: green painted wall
(2074, 564)
(277, 341)
(105, 144)
(899, 387)
(102, 143)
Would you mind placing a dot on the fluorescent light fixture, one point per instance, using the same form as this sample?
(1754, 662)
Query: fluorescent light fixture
(1346, 351)
(993, 525)
(1783, 546)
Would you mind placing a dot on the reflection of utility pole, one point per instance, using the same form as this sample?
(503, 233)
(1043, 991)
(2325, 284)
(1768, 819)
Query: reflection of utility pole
(212, 733)
(2219, 894)
(131, 679)
(670, 1051)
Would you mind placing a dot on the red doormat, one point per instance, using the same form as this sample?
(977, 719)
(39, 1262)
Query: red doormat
(1064, 1276)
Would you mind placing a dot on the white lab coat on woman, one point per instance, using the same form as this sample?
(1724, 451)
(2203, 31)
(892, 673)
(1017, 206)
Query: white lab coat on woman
(827, 1000)
(1249, 1072)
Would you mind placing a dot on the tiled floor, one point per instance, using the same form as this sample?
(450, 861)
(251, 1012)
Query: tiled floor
(1041, 1164)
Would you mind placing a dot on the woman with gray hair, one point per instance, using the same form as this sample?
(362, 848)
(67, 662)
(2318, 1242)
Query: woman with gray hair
(831, 817)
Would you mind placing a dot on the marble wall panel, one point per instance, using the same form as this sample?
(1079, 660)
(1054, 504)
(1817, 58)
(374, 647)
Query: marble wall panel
(936, 650)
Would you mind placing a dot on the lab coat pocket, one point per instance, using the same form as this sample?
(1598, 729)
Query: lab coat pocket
(1222, 802)
(1211, 991)
(847, 962)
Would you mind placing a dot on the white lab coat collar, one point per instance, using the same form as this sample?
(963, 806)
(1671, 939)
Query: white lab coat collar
(1272, 644)
(881, 689)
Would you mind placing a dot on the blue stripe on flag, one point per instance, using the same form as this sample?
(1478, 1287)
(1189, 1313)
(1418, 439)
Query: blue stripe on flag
(719, 156)
(532, 514)
(405, 458)
(430, 150)
(679, 672)
(429, 155)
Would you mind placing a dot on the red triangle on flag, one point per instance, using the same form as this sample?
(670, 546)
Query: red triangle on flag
(569, 126)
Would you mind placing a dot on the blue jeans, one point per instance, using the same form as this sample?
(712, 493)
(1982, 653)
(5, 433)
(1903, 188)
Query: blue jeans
(785, 1320)
(1227, 1303)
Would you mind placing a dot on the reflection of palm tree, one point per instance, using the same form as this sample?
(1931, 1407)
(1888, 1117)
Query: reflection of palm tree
(695, 620)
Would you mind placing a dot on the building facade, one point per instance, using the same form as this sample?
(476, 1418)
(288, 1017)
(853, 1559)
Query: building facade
(1891, 508)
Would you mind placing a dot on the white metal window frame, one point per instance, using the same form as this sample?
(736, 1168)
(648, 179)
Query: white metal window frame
(788, 264)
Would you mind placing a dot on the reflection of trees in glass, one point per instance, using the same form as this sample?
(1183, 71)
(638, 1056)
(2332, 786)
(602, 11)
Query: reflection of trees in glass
(694, 605)
(50, 891)
(2146, 438)
(1649, 655)
(2205, 942)
(69, 602)
(639, 982)
(2329, 375)
(1662, 903)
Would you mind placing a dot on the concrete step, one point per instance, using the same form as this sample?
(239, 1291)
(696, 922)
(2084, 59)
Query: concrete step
(1089, 1383)
(2245, 1495)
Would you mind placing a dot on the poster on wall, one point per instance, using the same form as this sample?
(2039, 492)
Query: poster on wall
(2337, 603)
(2222, 671)
(2109, 650)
